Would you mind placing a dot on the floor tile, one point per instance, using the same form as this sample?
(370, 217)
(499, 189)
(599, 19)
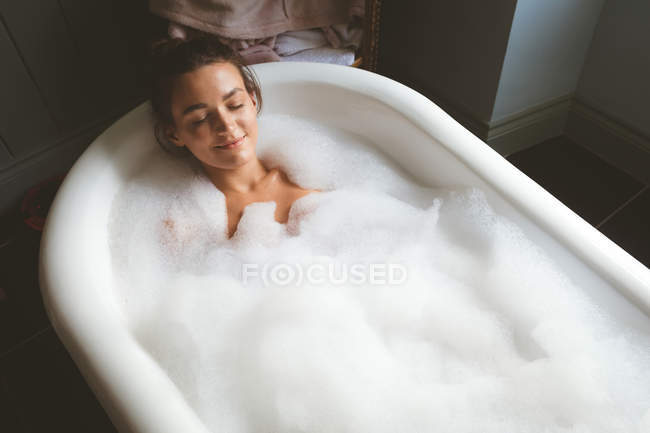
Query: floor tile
(630, 227)
(21, 306)
(49, 390)
(10, 417)
(585, 183)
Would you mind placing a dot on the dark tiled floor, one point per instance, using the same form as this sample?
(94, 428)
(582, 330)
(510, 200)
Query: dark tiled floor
(46, 390)
(609, 199)
(41, 389)
(21, 311)
(585, 183)
(630, 227)
(10, 418)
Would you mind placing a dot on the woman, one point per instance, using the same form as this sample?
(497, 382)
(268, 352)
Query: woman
(206, 103)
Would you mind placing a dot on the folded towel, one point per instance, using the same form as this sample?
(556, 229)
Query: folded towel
(300, 46)
(254, 19)
(339, 56)
(344, 35)
(254, 50)
(293, 42)
(259, 54)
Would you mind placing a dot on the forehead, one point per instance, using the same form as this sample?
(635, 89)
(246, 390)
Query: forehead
(207, 82)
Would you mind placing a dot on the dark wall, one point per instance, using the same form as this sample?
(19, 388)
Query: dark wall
(69, 69)
(450, 51)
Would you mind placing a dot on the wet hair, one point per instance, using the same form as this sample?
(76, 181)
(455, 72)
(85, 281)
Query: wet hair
(171, 57)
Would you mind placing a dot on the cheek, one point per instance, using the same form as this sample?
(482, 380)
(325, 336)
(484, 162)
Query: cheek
(251, 121)
(195, 139)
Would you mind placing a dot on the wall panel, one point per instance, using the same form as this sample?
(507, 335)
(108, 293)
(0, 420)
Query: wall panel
(24, 119)
(43, 39)
(5, 156)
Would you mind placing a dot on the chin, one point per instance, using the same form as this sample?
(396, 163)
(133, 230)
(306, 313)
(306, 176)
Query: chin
(236, 161)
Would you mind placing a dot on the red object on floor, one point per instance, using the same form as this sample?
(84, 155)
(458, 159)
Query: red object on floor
(37, 202)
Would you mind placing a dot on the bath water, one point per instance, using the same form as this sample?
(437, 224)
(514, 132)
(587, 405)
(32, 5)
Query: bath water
(268, 331)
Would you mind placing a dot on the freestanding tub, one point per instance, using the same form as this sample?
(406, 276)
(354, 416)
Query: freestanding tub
(75, 263)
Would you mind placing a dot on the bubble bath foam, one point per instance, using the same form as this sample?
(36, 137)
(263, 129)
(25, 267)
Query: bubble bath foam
(429, 286)
(482, 332)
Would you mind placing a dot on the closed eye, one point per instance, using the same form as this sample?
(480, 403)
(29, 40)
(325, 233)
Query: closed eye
(198, 122)
(235, 107)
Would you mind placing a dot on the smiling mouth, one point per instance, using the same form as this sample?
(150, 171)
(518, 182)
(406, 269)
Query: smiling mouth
(232, 144)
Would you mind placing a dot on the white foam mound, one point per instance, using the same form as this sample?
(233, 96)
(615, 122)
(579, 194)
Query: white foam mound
(485, 333)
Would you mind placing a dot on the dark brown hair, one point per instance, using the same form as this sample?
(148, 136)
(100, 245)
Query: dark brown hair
(172, 57)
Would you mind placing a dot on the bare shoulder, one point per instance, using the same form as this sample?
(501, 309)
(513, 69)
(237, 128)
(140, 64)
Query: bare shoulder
(296, 190)
(303, 192)
(309, 191)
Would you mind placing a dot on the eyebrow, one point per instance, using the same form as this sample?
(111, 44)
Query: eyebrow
(203, 105)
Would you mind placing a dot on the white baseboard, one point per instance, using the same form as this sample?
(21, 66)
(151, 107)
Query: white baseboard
(529, 127)
(517, 131)
(611, 139)
(619, 144)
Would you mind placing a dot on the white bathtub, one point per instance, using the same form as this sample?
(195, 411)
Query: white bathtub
(75, 264)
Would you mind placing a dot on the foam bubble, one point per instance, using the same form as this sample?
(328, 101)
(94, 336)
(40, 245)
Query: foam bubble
(485, 334)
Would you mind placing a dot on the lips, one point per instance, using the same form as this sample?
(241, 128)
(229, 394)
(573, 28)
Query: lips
(232, 144)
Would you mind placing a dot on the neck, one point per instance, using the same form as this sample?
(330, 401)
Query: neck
(242, 179)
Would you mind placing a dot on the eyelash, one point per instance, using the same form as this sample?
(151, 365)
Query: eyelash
(198, 122)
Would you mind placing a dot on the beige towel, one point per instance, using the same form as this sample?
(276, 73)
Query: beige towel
(253, 19)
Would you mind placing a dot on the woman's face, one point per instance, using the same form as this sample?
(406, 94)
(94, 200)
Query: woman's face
(214, 116)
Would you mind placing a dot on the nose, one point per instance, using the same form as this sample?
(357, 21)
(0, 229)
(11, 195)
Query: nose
(226, 122)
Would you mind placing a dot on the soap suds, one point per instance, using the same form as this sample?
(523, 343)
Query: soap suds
(487, 334)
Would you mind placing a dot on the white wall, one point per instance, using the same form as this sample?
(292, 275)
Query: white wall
(548, 43)
(616, 74)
